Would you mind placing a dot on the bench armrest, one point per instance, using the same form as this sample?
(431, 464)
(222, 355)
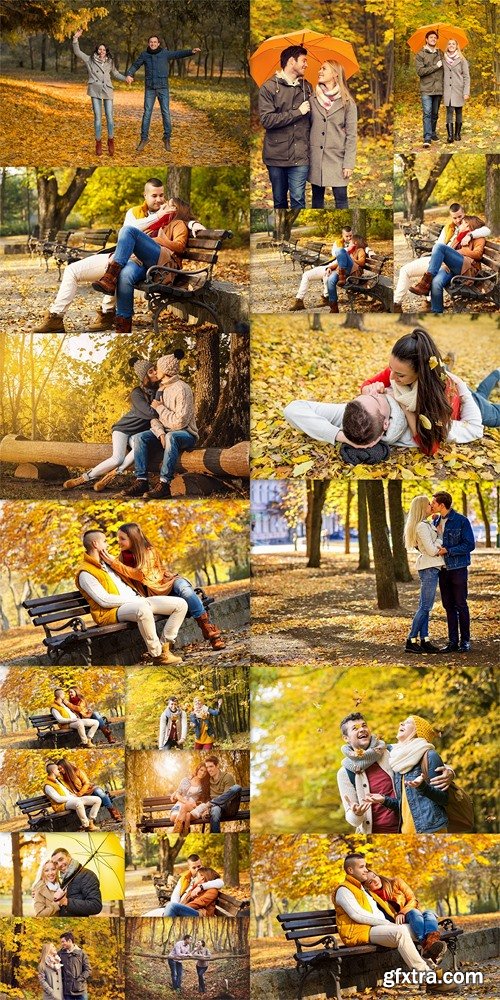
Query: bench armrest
(162, 269)
(460, 279)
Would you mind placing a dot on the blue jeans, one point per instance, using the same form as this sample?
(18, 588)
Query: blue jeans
(97, 103)
(99, 719)
(201, 979)
(339, 194)
(176, 441)
(430, 111)
(345, 261)
(443, 254)
(179, 910)
(218, 805)
(104, 797)
(76, 996)
(150, 95)
(422, 922)
(132, 241)
(183, 588)
(490, 412)
(428, 586)
(176, 973)
(288, 179)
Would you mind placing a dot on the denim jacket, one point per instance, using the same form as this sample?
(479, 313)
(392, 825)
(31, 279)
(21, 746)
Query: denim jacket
(458, 540)
(196, 722)
(156, 65)
(427, 804)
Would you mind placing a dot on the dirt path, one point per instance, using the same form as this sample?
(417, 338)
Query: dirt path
(51, 124)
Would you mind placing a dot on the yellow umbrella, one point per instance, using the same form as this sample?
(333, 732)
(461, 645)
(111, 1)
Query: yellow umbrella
(444, 33)
(101, 852)
(265, 61)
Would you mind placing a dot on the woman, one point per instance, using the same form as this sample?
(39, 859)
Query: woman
(44, 887)
(136, 420)
(142, 564)
(348, 261)
(421, 535)
(100, 69)
(49, 972)
(456, 87)
(461, 256)
(201, 721)
(332, 137)
(163, 249)
(79, 783)
(202, 955)
(77, 703)
(403, 902)
(191, 800)
(422, 807)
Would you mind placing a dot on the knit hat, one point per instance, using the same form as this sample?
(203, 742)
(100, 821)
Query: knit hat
(424, 729)
(141, 366)
(364, 456)
(168, 365)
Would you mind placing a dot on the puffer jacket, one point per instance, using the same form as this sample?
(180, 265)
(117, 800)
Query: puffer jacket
(84, 894)
(431, 75)
(157, 65)
(286, 143)
(100, 73)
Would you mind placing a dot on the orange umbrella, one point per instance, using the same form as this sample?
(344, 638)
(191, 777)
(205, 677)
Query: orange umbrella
(265, 61)
(444, 33)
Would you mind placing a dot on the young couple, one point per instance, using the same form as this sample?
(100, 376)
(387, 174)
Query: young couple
(65, 888)
(70, 789)
(71, 711)
(399, 788)
(100, 68)
(349, 253)
(416, 402)
(63, 974)
(161, 414)
(174, 725)
(209, 794)
(444, 76)
(310, 135)
(371, 909)
(135, 587)
(183, 949)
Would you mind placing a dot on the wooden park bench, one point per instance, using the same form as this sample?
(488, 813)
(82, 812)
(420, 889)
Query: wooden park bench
(55, 248)
(319, 946)
(225, 905)
(191, 286)
(63, 613)
(287, 247)
(422, 242)
(309, 255)
(41, 817)
(47, 730)
(371, 283)
(465, 290)
(89, 242)
(150, 822)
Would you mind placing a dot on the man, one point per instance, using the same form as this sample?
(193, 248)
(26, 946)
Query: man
(92, 268)
(80, 893)
(75, 968)
(429, 66)
(62, 799)
(156, 62)
(180, 950)
(417, 268)
(112, 600)
(320, 272)
(285, 113)
(365, 779)
(67, 719)
(175, 428)
(458, 542)
(365, 919)
(189, 882)
(225, 794)
(173, 726)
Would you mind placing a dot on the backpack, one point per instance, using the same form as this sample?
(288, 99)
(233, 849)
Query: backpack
(460, 806)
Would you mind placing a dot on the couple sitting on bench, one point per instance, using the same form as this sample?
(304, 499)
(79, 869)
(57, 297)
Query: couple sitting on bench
(136, 587)
(70, 789)
(371, 909)
(209, 794)
(71, 711)
(349, 253)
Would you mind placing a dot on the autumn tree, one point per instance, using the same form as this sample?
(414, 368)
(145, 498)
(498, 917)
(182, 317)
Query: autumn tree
(387, 592)
(54, 206)
(316, 495)
(416, 195)
(397, 522)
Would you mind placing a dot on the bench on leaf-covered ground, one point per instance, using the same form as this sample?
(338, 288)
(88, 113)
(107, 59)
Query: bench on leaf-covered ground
(150, 822)
(318, 945)
(225, 905)
(42, 818)
(49, 733)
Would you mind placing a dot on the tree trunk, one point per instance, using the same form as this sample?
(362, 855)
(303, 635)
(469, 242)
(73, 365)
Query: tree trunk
(387, 591)
(416, 197)
(408, 319)
(358, 217)
(231, 860)
(207, 376)
(364, 548)
(168, 853)
(397, 520)
(316, 494)
(284, 219)
(43, 53)
(492, 200)
(315, 321)
(354, 321)
(3, 184)
(484, 516)
(17, 890)
(347, 526)
(231, 422)
(179, 183)
(54, 208)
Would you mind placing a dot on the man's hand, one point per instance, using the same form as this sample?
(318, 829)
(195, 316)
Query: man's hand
(399, 918)
(59, 895)
(196, 891)
(442, 551)
(196, 50)
(443, 781)
(304, 108)
(466, 240)
(155, 405)
(130, 79)
(374, 797)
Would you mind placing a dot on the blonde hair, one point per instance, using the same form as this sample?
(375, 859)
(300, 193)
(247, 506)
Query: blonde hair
(46, 948)
(341, 80)
(416, 514)
(459, 50)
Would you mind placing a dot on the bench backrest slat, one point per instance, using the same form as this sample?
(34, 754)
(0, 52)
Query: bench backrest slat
(35, 602)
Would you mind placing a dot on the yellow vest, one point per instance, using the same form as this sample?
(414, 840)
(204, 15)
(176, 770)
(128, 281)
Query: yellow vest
(449, 230)
(140, 211)
(351, 932)
(62, 711)
(184, 880)
(61, 789)
(102, 616)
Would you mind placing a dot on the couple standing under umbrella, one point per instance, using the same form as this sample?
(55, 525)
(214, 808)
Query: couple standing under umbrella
(444, 76)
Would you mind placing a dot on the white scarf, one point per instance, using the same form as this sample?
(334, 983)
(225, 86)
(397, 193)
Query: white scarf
(53, 962)
(406, 394)
(404, 756)
(327, 97)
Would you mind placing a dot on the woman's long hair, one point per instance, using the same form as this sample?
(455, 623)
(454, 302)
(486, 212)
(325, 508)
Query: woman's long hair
(345, 94)
(473, 221)
(69, 771)
(204, 783)
(108, 52)
(140, 546)
(419, 350)
(47, 946)
(184, 212)
(386, 883)
(458, 49)
(416, 514)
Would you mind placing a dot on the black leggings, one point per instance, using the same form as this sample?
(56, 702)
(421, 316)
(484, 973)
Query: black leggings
(339, 193)
(449, 115)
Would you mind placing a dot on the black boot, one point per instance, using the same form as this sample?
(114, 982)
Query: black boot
(449, 129)
(428, 647)
(412, 647)
(458, 131)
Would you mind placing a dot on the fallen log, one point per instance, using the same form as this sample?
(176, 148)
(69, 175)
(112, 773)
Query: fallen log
(233, 461)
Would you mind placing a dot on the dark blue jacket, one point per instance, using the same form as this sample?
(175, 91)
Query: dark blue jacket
(427, 804)
(458, 540)
(156, 65)
(196, 722)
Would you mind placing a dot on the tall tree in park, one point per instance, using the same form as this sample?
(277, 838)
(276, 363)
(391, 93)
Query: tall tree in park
(54, 206)
(363, 543)
(284, 219)
(231, 859)
(492, 201)
(316, 495)
(387, 591)
(179, 183)
(231, 421)
(397, 521)
(416, 195)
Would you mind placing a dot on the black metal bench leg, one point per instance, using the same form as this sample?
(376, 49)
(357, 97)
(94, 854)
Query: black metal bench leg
(452, 947)
(303, 971)
(335, 974)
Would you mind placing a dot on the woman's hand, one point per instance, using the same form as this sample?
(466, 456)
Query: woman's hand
(347, 173)
(78, 33)
(155, 405)
(415, 782)
(358, 809)
(373, 389)
(374, 797)
(106, 556)
(399, 918)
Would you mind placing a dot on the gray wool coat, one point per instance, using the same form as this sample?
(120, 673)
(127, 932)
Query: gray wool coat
(100, 73)
(51, 982)
(332, 142)
(456, 83)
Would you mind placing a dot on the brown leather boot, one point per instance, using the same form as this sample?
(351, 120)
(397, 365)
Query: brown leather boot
(102, 321)
(52, 323)
(342, 277)
(79, 481)
(298, 305)
(107, 284)
(334, 307)
(111, 147)
(101, 484)
(210, 631)
(108, 734)
(115, 814)
(92, 825)
(123, 324)
(397, 308)
(98, 147)
(325, 301)
(424, 285)
(166, 656)
(178, 826)
(433, 947)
